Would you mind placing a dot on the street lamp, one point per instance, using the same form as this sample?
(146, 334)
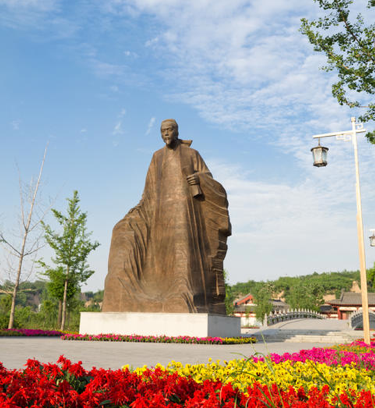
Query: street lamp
(372, 238)
(319, 155)
(352, 135)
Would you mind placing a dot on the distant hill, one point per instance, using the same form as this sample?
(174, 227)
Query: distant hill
(331, 283)
(34, 293)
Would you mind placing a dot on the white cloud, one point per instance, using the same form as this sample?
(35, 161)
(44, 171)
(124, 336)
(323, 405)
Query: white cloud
(290, 228)
(152, 42)
(130, 54)
(41, 5)
(37, 15)
(15, 124)
(117, 130)
(105, 69)
(150, 125)
(235, 69)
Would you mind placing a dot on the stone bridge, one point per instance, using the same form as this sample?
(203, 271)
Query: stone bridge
(356, 320)
(283, 316)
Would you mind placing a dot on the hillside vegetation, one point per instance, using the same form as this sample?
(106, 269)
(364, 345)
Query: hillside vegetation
(329, 282)
(300, 292)
(37, 308)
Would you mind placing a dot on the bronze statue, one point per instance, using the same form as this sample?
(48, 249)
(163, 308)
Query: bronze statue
(167, 253)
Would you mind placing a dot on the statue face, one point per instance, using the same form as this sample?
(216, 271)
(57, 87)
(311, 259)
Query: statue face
(169, 133)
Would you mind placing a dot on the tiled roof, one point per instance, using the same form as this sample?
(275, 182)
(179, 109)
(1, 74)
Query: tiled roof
(351, 298)
(244, 309)
(242, 299)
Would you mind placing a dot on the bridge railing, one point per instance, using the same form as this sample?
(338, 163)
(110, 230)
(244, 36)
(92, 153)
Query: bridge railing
(356, 319)
(284, 315)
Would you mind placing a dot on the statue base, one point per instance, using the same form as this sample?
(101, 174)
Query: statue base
(159, 324)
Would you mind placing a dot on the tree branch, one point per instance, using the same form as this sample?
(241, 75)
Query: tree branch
(3, 240)
(356, 39)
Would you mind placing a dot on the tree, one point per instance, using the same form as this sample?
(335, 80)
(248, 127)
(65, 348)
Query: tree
(72, 247)
(349, 47)
(371, 277)
(229, 296)
(243, 288)
(29, 244)
(263, 292)
(56, 286)
(304, 295)
(5, 304)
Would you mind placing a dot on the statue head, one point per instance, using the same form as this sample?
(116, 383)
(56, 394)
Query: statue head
(169, 132)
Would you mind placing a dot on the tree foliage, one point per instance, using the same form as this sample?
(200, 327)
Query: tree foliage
(330, 282)
(56, 283)
(229, 297)
(263, 293)
(371, 278)
(36, 308)
(349, 47)
(72, 246)
(305, 295)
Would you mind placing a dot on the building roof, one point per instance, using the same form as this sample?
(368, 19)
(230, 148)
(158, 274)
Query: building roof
(243, 299)
(352, 299)
(244, 309)
(278, 302)
(326, 309)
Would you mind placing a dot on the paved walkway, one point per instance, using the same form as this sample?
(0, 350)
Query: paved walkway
(15, 351)
(304, 326)
(307, 325)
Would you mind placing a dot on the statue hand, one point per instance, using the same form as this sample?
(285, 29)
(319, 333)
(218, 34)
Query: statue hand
(193, 179)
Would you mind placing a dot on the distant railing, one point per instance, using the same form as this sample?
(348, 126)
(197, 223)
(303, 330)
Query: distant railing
(356, 319)
(282, 316)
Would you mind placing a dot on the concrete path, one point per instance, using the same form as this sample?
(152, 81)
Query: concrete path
(14, 352)
(302, 325)
(307, 330)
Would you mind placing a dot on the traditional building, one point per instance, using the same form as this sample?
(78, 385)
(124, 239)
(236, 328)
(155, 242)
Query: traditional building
(350, 302)
(244, 308)
(247, 300)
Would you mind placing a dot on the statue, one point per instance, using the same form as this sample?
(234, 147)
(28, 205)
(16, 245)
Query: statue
(167, 253)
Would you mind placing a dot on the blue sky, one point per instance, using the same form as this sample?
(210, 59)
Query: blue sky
(95, 79)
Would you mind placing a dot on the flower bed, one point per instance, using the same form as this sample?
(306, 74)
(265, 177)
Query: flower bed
(347, 371)
(69, 385)
(29, 332)
(332, 377)
(160, 339)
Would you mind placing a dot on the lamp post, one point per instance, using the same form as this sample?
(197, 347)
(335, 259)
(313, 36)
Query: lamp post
(372, 238)
(351, 135)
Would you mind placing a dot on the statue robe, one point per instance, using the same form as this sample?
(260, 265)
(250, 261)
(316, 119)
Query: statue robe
(167, 253)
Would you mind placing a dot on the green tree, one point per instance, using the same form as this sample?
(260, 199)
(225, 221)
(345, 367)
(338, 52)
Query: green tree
(263, 292)
(229, 295)
(72, 247)
(48, 314)
(306, 295)
(5, 305)
(56, 286)
(371, 277)
(349, 47)
(243, 288)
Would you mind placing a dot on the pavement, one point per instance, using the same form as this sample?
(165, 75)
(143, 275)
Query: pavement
(303, 326)
(15, 351)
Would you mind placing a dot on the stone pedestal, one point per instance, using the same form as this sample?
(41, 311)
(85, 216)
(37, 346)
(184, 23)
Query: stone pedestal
(158, 324)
